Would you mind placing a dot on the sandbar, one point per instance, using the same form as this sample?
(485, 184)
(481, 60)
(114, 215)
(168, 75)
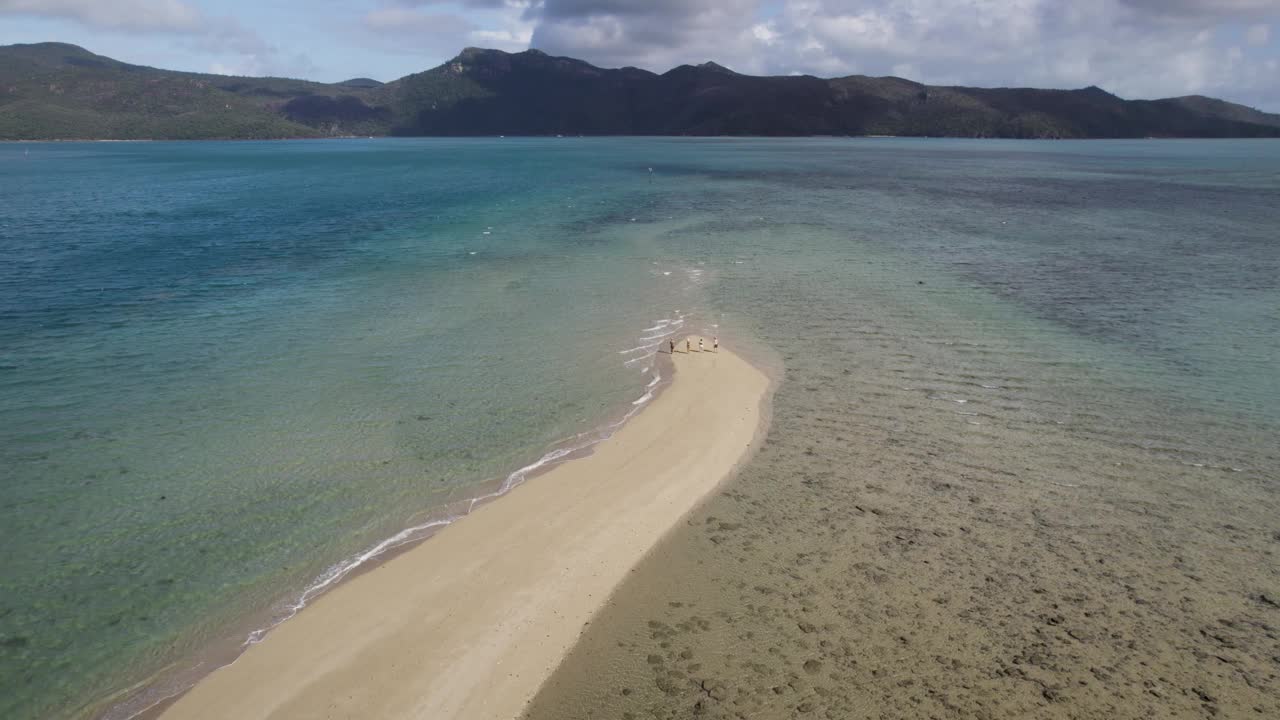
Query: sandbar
(470, 623)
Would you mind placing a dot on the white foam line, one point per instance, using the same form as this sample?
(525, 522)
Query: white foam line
(630, 414)
(344, 568)
(519, 476)
(655, 337)
(661, 324)
(628, 351)
(642, 357)
(340, 570)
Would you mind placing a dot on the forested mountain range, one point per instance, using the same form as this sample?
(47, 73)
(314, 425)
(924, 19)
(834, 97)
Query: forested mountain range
(54, 91)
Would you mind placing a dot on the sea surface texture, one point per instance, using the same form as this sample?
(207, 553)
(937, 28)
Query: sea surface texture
(1023, 459)
(229, 370)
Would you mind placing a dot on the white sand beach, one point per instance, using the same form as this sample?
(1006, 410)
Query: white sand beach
(471, 622)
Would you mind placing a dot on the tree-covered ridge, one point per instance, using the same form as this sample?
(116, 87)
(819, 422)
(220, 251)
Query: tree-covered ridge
(59, 91)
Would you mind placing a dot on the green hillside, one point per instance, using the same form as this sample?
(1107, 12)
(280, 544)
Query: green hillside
(58, 91)
(51, 91)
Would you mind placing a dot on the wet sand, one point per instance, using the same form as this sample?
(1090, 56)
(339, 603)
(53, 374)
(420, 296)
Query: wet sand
(470, 623)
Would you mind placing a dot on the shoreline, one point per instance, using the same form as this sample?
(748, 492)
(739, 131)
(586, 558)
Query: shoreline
(616, 137)
(150, 697)
(356, 641)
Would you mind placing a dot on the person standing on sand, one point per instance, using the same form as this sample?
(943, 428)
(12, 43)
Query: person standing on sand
(672, 344)
(687, 347)
(700, 347)
(715, 344)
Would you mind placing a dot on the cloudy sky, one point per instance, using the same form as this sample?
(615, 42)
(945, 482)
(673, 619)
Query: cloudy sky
(1134, 48)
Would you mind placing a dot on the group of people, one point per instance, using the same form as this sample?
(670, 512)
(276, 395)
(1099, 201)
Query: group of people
(688, 345)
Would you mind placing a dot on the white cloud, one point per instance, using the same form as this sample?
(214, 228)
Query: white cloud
(240, 50)
(906, 70)
(1135, 48)
(765, 33)
(413, 27)
(126, 15)
(405, 20)
(1214, 9)
(867, 30)
(656, 34)
(509, 39)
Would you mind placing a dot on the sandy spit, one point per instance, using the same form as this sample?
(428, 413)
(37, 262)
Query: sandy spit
(470, 623)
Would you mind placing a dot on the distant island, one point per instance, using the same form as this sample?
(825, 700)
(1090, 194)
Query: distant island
(56, 91)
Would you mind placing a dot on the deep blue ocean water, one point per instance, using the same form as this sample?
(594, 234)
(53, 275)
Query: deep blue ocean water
(227, 368)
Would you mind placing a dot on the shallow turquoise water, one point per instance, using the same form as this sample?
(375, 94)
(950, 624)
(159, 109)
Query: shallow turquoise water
(1022, 461)
(226, 367)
